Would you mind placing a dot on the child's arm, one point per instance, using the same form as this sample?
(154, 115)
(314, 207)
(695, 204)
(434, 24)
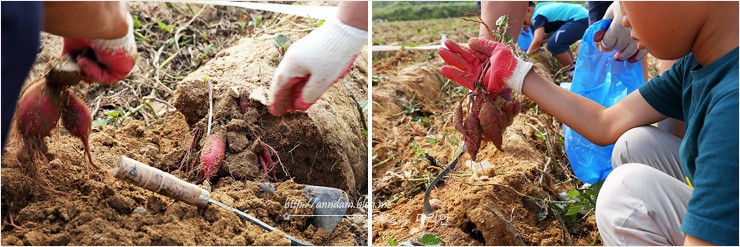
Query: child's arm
(95, 20)
(492, 10)
(353, 14)
(598, 124)
(537, 40)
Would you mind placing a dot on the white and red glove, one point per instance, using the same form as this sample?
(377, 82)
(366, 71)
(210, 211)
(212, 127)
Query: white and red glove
(104, 61)
(465, 65)
(618, 37)
(314, 63)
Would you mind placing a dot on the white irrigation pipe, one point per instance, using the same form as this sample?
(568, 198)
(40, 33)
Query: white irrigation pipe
(316, 12)
(398, 47)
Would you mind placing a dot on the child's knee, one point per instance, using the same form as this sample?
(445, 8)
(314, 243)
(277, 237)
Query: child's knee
(618, 199)
(556, 47)
(630, 144)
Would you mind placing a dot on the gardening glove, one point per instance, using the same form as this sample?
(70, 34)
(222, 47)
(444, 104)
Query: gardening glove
(105, 61)
(465, 65)
(314, 63)
(618, 37)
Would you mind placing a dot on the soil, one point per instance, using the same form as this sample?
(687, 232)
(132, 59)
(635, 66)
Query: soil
(326, 139)
(323, 146)
(504, 199)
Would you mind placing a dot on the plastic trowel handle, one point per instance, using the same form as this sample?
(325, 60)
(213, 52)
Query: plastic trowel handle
(158, 181)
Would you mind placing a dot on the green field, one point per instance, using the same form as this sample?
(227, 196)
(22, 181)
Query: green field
(422, 10)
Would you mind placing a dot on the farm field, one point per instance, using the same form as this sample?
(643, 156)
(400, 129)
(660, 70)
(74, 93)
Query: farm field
(421, 32)
(509, 197)
(158, 115)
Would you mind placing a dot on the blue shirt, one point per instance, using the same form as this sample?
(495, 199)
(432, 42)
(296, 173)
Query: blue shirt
(553, 15)
(706, 98)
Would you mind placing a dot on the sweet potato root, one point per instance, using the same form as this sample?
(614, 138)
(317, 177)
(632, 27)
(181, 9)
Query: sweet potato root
(211, 156)
(77, 120)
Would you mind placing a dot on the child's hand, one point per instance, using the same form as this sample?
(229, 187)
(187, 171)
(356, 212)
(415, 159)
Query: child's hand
(105, 61)
(312, 64)
(465, 65)
(618, 37)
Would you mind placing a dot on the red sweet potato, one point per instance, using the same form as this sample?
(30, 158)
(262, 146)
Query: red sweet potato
(77, 120)
(472, 135)
(211, 156)
(491, 118)
(38, 110)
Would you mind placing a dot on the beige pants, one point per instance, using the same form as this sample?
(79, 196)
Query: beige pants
(643, 201)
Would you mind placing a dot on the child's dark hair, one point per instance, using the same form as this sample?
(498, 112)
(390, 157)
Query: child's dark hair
(531, 4)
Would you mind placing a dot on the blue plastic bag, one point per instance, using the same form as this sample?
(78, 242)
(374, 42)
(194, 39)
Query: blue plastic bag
(525, 38)
(602, 79)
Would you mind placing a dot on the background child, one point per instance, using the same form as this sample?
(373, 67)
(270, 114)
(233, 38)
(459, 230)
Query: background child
(563, 23)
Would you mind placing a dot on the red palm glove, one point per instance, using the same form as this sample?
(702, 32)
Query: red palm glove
(465, 65)
(105, 61)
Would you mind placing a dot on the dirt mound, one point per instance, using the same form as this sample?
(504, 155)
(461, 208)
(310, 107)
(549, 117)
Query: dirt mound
(327, 139)
(388, 63)
(417, 84)
(111, 212)
(504, 200)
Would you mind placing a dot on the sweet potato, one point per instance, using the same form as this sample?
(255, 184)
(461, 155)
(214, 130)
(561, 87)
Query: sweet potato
(77, 120)
(491, 118)
(211, 156)
(38, 110)
(472, 135)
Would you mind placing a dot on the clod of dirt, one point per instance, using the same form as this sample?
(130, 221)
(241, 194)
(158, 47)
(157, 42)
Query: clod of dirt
(415, 83)
(271, 239)
(322, 146)
(16, 189)
(122, 204)
(435, 203)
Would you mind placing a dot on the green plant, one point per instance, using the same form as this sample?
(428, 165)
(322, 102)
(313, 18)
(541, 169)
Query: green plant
(165, 27)
(429, 239)
(376, 80)
(137, 23)
(111, 117)
(418, 151)
(410, 108)
(579, 199)
(411, 44)
(431, 139)
(282, 43)
(315, 22)
(392, 242)
(242, 24)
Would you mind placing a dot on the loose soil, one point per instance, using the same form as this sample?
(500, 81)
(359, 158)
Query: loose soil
(323, 146)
